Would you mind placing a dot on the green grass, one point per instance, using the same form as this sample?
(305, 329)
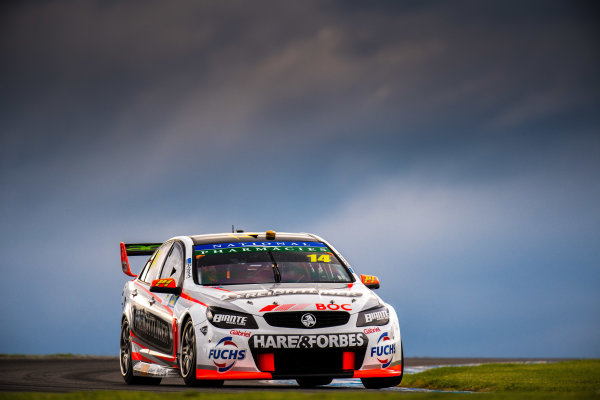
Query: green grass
(556, 381)
(565, 377)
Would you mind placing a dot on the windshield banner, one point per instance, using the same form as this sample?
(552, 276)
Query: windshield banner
(256, 244)
(233, 248)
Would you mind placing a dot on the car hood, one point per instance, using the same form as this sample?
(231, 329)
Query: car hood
(260, 298)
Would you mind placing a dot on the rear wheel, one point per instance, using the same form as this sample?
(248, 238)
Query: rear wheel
(187, 360)
(312, 382)
(126, 362)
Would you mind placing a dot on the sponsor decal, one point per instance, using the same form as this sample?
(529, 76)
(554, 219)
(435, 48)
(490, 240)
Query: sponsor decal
(308, 320)
(239, 333)
(267, 293)
(258, 249)
(334, 307)
(380, 315)
(374, 317)
(188, 269)
(278, 292)
(166, 282)
(152, 329)
(308, 341)
(371, 330)
(230, 319)
(342, 293)
(173, 300)
(256, 244)
(225, 354)
(204, 329)
(384, 351)
(142, 247)
(369, 279)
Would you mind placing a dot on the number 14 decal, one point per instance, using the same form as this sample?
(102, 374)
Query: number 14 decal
(321, 258)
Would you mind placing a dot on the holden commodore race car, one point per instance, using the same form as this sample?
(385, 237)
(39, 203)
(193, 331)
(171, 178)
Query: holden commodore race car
(262, 306)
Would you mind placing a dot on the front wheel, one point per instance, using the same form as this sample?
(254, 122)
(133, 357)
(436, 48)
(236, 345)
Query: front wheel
(126, 362)
(380, 383)
(187, 360)
(312, 382)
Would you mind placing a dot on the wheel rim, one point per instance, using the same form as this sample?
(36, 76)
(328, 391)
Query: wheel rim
(125, 349)
(188, 346)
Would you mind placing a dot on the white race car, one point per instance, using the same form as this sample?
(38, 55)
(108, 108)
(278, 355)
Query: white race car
(264, 306)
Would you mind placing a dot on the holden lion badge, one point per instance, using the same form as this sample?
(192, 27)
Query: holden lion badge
(308, 320)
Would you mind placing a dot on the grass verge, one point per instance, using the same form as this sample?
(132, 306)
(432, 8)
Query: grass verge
(564, 377)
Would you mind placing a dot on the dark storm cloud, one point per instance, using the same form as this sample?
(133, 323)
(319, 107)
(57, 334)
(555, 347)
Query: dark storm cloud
(120, 120)
(91, 83)
(288, 66)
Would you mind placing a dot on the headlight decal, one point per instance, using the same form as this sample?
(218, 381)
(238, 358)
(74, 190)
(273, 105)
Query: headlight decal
(227, 319)
(373, 317)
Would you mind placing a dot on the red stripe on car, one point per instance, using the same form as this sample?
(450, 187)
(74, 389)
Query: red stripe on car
(284, 307)
(300, 306)
(190, 298)
(138, 357)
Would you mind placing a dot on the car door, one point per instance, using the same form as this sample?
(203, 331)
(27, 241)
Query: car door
(152, 320)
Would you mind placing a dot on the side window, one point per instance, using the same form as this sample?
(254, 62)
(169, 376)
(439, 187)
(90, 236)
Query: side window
(174, 263)
(144, 272)
(158, 258)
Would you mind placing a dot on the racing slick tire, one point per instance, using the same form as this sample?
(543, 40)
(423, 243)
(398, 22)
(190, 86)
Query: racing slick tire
(312, 382)
(380, 383)
(126, 362)
(187, 360)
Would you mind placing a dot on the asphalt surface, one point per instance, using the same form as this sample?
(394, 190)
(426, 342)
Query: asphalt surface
(58, 374)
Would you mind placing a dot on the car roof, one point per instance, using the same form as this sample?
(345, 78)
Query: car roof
(252, 237)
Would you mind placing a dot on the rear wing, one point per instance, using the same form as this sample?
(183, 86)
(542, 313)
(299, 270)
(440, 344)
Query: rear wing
(135, 249)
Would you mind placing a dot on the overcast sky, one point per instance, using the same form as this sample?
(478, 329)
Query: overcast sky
(451, 148)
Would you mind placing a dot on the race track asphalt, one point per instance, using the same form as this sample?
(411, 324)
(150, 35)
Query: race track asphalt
(66, 374)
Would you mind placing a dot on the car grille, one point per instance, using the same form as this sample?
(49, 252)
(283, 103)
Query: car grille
(292, 319)
(312, 362)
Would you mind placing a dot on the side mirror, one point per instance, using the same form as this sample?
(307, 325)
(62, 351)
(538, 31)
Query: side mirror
(370, 281)
(167, 285)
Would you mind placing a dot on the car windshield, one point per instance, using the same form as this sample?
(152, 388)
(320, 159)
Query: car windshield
(267, 262)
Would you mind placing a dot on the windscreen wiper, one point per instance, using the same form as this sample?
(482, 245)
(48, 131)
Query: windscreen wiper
(275, 268)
